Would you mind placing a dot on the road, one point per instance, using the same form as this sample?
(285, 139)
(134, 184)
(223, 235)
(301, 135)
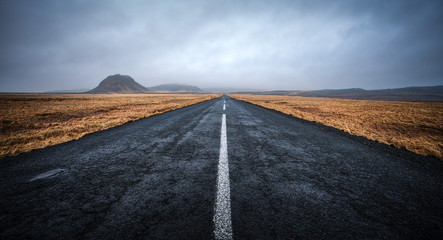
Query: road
(174, 176)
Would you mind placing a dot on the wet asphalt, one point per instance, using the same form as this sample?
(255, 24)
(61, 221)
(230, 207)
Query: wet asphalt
(155, 178)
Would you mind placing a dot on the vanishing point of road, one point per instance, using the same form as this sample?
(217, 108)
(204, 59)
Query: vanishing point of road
(221, 169)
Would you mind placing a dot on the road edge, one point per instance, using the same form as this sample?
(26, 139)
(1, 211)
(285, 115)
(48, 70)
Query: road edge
(33, 151)
(391, 149)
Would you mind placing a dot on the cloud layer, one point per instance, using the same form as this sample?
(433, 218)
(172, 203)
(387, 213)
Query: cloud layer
(48, 45)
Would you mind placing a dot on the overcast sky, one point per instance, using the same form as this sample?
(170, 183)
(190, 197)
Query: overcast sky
(269, 45)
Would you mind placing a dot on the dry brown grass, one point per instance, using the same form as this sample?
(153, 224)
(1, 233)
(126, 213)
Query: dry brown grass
(35, 121)
(417, 126)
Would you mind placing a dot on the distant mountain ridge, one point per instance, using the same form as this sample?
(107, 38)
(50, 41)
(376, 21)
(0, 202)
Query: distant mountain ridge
(430, 94)
(174, 87)
(419, 94)
(119, 84)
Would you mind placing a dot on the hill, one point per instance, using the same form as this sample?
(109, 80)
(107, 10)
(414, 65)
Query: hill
(427, 94)
(176, 88)
(414, 94)
(119, 84)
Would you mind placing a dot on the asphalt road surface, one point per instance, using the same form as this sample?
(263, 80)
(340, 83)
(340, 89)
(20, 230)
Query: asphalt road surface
(182, 175)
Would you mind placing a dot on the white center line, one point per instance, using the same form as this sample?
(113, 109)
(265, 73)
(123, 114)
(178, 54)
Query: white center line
(224, 107)
(48, 174)
(222, 216)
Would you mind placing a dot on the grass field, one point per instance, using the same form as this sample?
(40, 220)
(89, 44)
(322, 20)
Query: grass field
(416, 126)
(35, 121)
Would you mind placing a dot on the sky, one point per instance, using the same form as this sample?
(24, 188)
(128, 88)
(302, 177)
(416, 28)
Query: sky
(51, 45)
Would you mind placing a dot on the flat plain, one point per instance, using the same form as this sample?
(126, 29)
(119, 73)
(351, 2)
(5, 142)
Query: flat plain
(157, 178)
(416, 126)
(32, 121)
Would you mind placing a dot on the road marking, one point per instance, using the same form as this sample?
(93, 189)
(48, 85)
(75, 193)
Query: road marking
(48, 174)
(222, 216)
(224, 107)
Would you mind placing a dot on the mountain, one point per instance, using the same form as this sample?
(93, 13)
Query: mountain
(119, 84)
(413, 94)
(176, 88)
(426, 94)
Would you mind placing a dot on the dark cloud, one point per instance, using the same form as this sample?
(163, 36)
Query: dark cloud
(47, 45)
